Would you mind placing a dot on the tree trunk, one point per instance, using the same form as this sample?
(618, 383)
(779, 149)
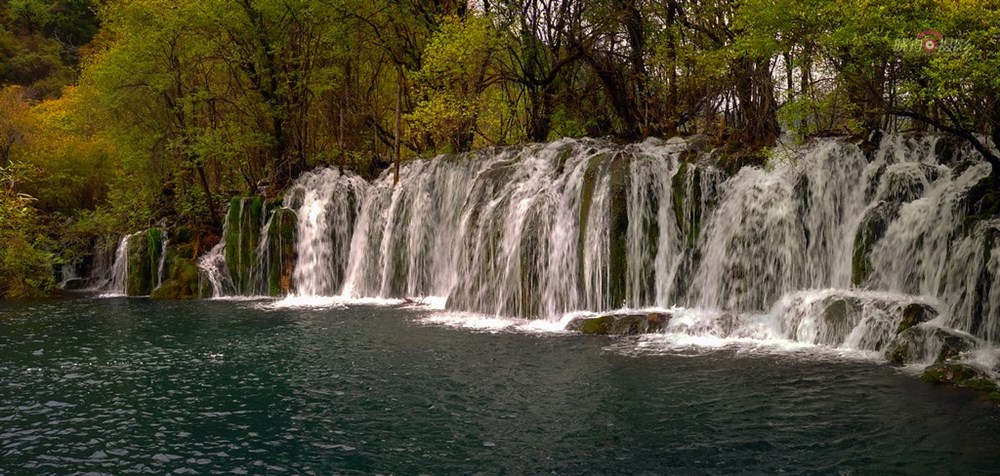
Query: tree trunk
(209, 201)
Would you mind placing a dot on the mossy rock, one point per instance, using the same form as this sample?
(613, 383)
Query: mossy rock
(948, 149)
(183, 281)
(620, 183)
(620, 324)
(170, 289)
(183, 234)
(916, 313)
(281, 251)
(841, 314)
(982, 202)
(962, 375)
(243, 223)
(594, 167)
(732, 163)
(533, 249)
(872, 228)
(139, 282)
(923, 342)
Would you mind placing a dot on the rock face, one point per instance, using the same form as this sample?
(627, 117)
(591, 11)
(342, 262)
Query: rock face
(181, 282)
(144, 252)
(873, 226)
(621, 324)
(916, 313)
(242, 237)
(281, 252)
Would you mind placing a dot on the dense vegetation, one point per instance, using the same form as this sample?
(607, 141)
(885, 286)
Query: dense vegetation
(117, 114)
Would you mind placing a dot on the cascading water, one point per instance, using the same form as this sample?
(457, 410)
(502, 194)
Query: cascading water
(119, 269)
(162, 260)
(546, 229)
(326, 204)
(213, 271)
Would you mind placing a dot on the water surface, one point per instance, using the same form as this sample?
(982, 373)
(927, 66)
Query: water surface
(124, 386)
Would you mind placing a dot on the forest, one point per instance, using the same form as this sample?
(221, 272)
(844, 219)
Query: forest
(117, 115)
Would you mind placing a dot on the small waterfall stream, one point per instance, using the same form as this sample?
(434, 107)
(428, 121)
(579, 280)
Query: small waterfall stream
(548, 229)
(119, 269)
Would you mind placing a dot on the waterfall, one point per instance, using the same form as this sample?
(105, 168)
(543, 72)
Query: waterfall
(67, 273)
(326, 204)
(162, 260)
(119, 269)
(546, 229)
(213, 270)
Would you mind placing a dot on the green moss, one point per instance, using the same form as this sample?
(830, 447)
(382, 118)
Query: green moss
(154, 246)
(689, 225)
(961, 375)
(586, 201)
(281, 252)
(620, 183)
(243, 224)
(596, 326)
(139, 281)
(182, 283)
(183, 234)
(532, 253)
(678, 186)
(872, 228)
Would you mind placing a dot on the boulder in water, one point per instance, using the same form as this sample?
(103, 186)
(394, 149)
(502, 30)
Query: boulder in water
(964, 375)
(620, 324)
(922, 343)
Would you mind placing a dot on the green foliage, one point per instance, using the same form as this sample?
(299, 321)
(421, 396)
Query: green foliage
(40, 40)
(458, 70)
(182, 103)
(26, 260)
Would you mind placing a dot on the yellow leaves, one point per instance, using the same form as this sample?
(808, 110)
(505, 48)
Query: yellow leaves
(15, 121)
(60, 160)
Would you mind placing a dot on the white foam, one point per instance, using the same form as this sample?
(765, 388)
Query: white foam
(323, 302)
(495, 324)
(241, 298)
(427, 302)
(679, 343)
(111, 295)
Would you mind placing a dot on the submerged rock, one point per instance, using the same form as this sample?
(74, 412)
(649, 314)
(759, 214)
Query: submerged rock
(621, 324)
